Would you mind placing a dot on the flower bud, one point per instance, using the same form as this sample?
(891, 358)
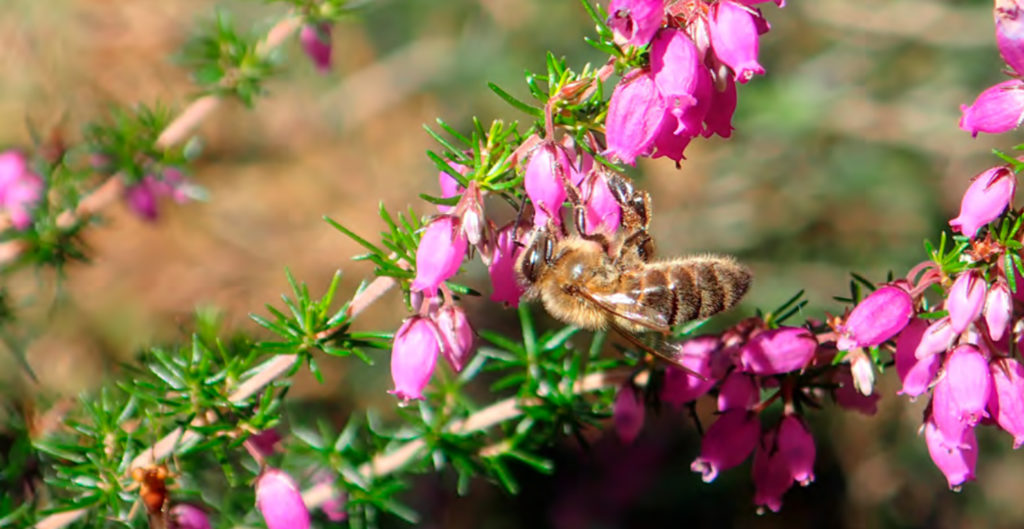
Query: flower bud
(265, 442)
(442, 249)
(635, 114)
(771, 474)
(970, 382)
(965, 301)
(502, 269)
(634, 22)
(628, 413)
(998, 310)
(738, 392)
(449, 185)
(876, 318)
(280, 502)
(413, 357)
(1010, 33)
(862, 369)
(916, 375)
(985, 199)
(796, 446)
(20, 189)
(956, 461)
(457, 336)
(679, 386)
(1006, 403)
(547, 172)
(316, 42)
(998, 109)
(187, 516)
(936, 339)
(778, 351)
(727, 443)
(734, 37)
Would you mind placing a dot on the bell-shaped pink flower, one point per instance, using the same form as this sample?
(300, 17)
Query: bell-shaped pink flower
(280, 502)
(847, 396)
(734, 37)
(796, 446)
(20, 188)
(945, 412)
(143, 196)
(413, 357)
(770, 472)
(1006, 403)
(628, 413)
(316, 42)
(998, 109)
(727, 443)
(457, 335)
(970, 382)
(778, 351)
(502, 268)
(679, 386)
(1009, 15)
(266, 442)
(998, 310)
(965, 301)
(936, 338)
(682, 80)
(187, 516)
(668, 144)
(449, 185)
(916, 375)
(738, 392)
(987, 197)
(602, 213)
(956, 461)
(876, 318)
(547, 173)
(441, 251)
(718, 119)
(635, 114)
(634, 22)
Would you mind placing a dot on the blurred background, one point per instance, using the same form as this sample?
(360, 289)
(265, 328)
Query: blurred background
(846, 155)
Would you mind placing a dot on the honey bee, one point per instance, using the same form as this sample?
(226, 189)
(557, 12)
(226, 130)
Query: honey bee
(152, 481)
(600, 281)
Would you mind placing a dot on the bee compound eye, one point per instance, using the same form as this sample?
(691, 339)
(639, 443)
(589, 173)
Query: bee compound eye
(549, 249)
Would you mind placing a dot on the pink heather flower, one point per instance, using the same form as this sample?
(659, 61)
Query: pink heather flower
(771, 473)
(505, 285)
(957, 461)
(20, 188)
(280, 502)
(634, 22)
(916, 375)
(876, 318)
(602, 213)
(547, 172)
(682, 80)
(457, 336)
(628, 413)
(936, 339)
(413, 357)
(265, 442)
(1010, 32)
(449, 185)
(965, 301)
(796, 446)
(668, 144)
(847, 396)
(723, 105)
(334, 506)
(727, 443)
(635, 114)
(441, 251)
(944, 411)
(987, 197)
(998, 109)
(1006, 403)
(778, 351)
(316, 42)
(738, 392)
(998, 310)
(969, 382)
(734, 37)
(679, 386)
(143, 196)
(187, 516)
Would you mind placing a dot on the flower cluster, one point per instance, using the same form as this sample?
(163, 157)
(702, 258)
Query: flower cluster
(1000, 108)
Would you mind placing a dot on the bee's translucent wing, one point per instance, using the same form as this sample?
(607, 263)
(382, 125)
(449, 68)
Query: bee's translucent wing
(650, 310)
(659, 347)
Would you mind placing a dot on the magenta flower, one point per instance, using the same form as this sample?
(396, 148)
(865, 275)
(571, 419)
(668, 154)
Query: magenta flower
(20, 189)
(334, 507)
(771, 473)
(547, 172)
(876, 318)
(413, 357)
(727, 443)
(778, 351)
(457, 335)
(998, 310)
(945, 413)
(847, 396)
(970, 382)
(449, 185)
(602, 213)
(502, 268)
(634, 22)
(1010, 33)
(265, 442)
(143, 196)
(1006, 403)
(682, 80)
(723, 105)
(957, 461)
(987, 197)
(679, 386)
(628, 413)
(916, 375)
(187, 516)
(668, 144)
(280, 502)
(738, 392)
(796, 446)
(734, 37)
(936, 339)
(998, 109)
(441, 251)
(635, 114)
(965, 301)
(316, 42)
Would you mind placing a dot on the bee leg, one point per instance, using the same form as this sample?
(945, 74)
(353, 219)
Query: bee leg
(635, 205)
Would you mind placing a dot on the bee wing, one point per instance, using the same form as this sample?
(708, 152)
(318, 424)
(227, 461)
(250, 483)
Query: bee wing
(629, 309)
(661, 348)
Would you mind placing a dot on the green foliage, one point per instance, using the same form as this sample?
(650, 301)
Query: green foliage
(226, 62)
